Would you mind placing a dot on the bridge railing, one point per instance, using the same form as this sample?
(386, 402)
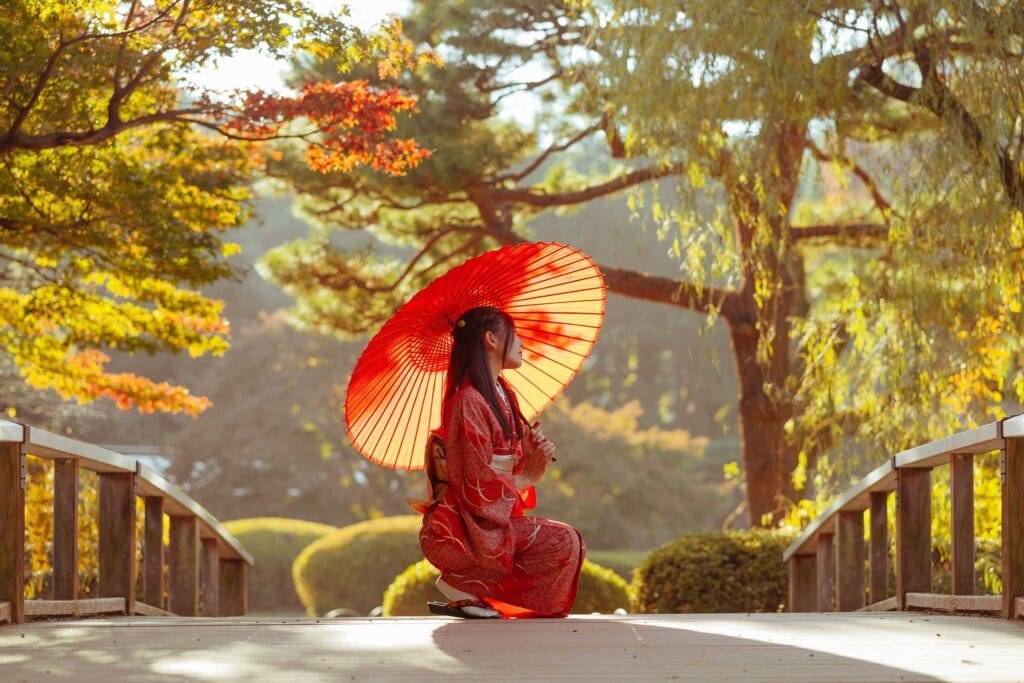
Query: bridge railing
(827, 560)
(207, 568)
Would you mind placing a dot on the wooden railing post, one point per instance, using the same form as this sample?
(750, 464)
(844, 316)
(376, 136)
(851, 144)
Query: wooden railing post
(234, 588)
(913, 532)
(826, 571)
(117, 537)
(65, 529)
(961, 485)
(12, 529)
(209, 577)
(850, 560)
(153, 553)
(803, 596)
(879, 550)
(1012, 475)
(183, 592)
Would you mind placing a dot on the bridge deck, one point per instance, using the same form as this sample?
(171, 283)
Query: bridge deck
(764, 647)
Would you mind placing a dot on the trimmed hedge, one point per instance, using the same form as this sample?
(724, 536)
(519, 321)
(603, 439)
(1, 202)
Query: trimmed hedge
(352, 566)
(274, 542)
(601, 590)
(728, 571)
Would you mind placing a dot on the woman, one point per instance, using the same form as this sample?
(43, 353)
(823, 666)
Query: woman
(494, 560)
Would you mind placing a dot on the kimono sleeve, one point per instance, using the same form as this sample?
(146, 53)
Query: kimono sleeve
(470, 431)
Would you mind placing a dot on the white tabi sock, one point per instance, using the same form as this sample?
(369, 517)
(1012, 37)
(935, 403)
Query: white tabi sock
(453, 594)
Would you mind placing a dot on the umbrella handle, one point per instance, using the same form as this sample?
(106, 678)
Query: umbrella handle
(535, 425)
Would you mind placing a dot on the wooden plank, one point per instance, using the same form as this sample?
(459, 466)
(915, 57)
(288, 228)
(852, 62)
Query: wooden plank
(826, 573)
(5, 612)
(956, 603)
(887, 605)
(913, 533)
(850, 560)
(74, 608)
(234, 588)
(857, 497)
(153, 552)
(183, 567)
(12, 528)
(961, 484)
(1013, 427)
(11, 432)
(147, 610)
(65, 529)
(117, 536)
(1012, 465)
(209, 578)
(879, 546)
(44, 444)
(178, 503)
(782, 648)
(1019, 608)
(988, 437)
(803, 586)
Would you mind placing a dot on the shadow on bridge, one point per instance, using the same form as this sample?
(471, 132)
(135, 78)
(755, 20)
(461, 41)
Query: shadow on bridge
(782, 647)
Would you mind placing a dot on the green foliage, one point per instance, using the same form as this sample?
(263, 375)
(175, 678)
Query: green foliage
(119, 180)
(730, 571)
(600, 590)
(826, 136)
(274, 543)
(352, 566)
(625, 486)
(408, 594)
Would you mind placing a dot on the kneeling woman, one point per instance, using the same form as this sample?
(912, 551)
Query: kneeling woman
(494, 560)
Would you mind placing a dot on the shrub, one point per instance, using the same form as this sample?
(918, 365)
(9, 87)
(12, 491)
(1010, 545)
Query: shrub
(352, 566)
(274, 543)
(730, 571)
(601, 590)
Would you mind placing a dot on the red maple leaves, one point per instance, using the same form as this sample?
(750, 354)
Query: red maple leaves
(344, 124)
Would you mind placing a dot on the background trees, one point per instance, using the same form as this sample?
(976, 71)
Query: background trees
(837, 185)
(808, 196)
(120, 181)
(858, 351)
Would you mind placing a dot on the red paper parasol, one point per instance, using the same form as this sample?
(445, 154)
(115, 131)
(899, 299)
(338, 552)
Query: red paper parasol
(554, 293)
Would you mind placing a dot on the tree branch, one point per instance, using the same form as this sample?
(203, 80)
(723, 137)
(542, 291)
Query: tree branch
(935, 96)
(873, 75)
(531, 198)
(331, 282)
(554, 149)
(883, 205)
(95, 135)
(853, 230)
(44, 78)
(121, 94)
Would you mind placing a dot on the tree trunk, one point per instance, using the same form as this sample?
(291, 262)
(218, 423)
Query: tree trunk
(764, 407)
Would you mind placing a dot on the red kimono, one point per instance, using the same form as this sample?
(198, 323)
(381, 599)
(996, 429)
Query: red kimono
(477, 535)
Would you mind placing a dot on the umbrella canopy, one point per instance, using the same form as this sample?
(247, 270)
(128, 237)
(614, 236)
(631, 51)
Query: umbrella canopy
(553, 292)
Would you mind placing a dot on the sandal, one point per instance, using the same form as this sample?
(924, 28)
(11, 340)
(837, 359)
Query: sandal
(454, 609)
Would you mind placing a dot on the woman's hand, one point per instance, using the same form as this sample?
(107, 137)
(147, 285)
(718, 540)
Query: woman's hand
(538, 451)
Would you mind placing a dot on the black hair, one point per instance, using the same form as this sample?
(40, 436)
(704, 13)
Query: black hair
(469, 357)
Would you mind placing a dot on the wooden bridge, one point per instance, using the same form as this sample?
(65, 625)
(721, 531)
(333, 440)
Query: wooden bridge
(207, 570)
